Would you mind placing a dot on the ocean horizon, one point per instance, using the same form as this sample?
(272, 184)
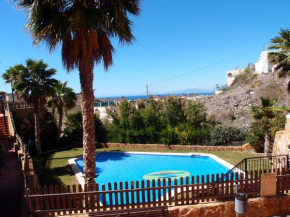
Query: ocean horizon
(136, 97)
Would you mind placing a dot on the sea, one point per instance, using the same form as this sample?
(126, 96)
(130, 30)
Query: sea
(133, 98)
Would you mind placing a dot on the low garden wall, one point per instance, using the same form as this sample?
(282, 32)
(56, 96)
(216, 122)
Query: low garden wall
(201, 148)
(262, 207)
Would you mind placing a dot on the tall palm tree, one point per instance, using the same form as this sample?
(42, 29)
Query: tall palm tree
(264, 114)
(83, 28)
(64, 98)
(11, 75)
(34, 84)
(280, 58)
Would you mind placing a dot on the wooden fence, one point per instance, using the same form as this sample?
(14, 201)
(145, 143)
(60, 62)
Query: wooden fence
(63, 200)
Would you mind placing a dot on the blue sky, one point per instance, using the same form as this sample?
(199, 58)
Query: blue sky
(173, 37)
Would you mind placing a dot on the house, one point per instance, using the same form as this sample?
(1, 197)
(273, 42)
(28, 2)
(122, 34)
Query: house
(261, 66)
(231, 75)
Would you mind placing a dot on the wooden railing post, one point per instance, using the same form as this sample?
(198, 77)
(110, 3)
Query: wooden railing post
(28, 201)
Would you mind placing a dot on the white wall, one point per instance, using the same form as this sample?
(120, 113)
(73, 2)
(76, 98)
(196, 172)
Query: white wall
(102, 111)
(235, 72)
(262, 65)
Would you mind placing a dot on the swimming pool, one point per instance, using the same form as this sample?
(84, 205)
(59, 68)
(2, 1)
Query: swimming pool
(121, 167)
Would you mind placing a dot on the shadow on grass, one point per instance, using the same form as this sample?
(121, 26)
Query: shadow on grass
(46, 175)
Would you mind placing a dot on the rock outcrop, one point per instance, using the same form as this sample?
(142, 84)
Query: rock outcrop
(233, 106)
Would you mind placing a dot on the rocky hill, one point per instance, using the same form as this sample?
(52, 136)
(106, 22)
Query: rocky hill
(233, 106)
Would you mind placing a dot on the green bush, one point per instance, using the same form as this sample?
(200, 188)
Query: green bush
(169, 136)
(257, 132)
(74, 128)
(225, 135)
(48, 132)
(277, 123)
(172, 121)
(256, 136)
(221, 87)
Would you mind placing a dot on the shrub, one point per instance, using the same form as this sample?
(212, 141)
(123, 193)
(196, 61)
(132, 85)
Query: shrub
(244, 78)
(257, 132)
(256, 137)
(277, 123)
(48, 132)
(222, 87)
(168, 136)
(74, 128)
(225, 135)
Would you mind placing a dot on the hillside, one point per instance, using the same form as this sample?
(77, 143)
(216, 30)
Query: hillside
(233, 106)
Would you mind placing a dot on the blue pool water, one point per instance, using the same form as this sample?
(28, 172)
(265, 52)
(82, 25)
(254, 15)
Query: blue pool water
(120, 167)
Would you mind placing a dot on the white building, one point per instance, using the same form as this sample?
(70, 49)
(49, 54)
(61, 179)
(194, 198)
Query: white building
(231, 75)
(262, 65)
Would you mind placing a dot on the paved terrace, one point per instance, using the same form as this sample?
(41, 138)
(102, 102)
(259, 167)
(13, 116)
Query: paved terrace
(11, 185)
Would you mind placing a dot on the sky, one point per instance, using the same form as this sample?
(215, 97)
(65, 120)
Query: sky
(187, 44)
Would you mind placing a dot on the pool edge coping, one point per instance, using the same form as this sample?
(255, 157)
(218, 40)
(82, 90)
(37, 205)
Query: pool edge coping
(80, 178)
(77, 171)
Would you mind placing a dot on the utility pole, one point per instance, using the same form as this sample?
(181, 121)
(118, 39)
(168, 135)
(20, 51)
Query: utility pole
(147, 91)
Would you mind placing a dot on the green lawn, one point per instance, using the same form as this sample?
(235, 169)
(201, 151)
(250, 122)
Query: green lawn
(53, 169)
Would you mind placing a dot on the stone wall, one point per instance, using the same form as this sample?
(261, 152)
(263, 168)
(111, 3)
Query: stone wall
(189, 148)
(278, 136)
(282, 140)
(258, 207)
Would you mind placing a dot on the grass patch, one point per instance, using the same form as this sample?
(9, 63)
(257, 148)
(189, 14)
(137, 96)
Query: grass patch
(54, 169)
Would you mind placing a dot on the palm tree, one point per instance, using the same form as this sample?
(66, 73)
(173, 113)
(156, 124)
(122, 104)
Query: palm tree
(34, 84)
(281, 57)
(11, 76)
(264, 114)
(84, 29)
(64, 98)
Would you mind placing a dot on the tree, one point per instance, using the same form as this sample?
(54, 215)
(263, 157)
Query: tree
(74, 130)
(281, 57)
(84, 29)
(264, 115)
(34, 84)
(173, 111)
(195, 113)
(11, 76)
(64, 98)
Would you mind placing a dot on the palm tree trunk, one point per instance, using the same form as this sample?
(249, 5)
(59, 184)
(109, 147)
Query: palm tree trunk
(60, 116)
(87, 106)
(37, 129)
